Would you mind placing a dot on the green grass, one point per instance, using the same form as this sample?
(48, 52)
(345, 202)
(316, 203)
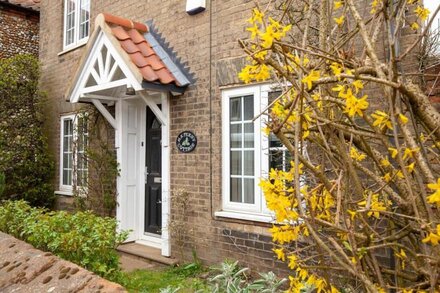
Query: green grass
(185, 277)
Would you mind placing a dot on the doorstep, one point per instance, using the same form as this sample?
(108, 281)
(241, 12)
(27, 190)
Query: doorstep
(146, 253)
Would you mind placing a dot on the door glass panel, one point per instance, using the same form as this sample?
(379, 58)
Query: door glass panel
(156, 124)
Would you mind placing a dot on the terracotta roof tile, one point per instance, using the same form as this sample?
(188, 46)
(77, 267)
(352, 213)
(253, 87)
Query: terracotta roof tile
(136, 36)
(30, 4)
(120, 33)
(130, 47)
(145, 49)
(130, 36)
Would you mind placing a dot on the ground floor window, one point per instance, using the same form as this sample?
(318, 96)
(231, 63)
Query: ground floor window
(73, 143)
(248, 154)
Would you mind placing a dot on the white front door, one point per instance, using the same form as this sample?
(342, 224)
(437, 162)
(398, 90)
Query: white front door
(142, 142)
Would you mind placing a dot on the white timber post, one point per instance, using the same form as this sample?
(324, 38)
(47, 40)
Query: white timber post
(166, 192)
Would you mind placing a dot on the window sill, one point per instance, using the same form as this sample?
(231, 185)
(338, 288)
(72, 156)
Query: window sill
(246, 217)
(73, 47)
(64, 192)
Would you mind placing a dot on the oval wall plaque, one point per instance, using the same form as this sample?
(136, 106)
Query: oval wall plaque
(186, 142)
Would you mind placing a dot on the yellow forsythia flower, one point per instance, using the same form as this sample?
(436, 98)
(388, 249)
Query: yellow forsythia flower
(432, 238)
(403, 119)
(385, 163)
(358, 85)
(280, 253)
(339, 20)
(435, 197)
(393, 152)
(409, 153)
(381, 119)
(309, 79)
(292, 261)
(376, 206)
(355, 155)
(374, 4)
(337, 4)
(415, 26)
(254, 31)
(257, 16)
(336, 68)
(410, 167)
(422, 13)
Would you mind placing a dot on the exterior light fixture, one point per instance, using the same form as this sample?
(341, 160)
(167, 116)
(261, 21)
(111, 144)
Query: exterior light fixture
(195, 6)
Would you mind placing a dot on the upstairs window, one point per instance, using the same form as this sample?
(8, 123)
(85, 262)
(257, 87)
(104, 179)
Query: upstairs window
(76, 22)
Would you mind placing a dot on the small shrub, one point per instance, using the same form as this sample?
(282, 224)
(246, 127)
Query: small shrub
(232, 279)
(83, 238)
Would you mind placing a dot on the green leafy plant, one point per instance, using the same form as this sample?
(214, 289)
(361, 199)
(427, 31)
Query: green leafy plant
(24, 157)
(83, 238)
(233, 279)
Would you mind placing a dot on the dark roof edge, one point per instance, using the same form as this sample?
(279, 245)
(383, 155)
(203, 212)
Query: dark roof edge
(154, 37)
(163, 87)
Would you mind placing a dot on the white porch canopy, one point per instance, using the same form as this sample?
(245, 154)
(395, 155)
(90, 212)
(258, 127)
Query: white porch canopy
(125, 66)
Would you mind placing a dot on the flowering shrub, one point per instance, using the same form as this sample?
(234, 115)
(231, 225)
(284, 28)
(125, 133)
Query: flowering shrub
(365, 141)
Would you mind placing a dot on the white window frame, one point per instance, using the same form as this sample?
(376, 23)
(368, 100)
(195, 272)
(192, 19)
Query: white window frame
(432, 6)
(257, 211)
(68, 189)
(76, 40)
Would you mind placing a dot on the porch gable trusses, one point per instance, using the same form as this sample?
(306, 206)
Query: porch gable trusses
(122, 54)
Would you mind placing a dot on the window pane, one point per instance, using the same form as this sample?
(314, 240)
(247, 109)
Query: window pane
(248, 108)
(235, 110)
(67, 127)
(274, 141)
(236, 189)
(70, 22)
(84, 19)
(67, 177)
(236, 162)
(276, 159)
(249, 194)
(248, 135)
(236, 136)
(248, 163)
(65, 160)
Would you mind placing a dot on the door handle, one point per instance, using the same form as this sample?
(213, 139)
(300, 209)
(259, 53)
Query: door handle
(159, 201)
(146, 174)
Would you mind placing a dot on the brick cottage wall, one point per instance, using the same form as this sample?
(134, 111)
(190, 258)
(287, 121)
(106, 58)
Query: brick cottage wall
(432, 83)
(19, 31)
(213, 239)
(208, 43)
